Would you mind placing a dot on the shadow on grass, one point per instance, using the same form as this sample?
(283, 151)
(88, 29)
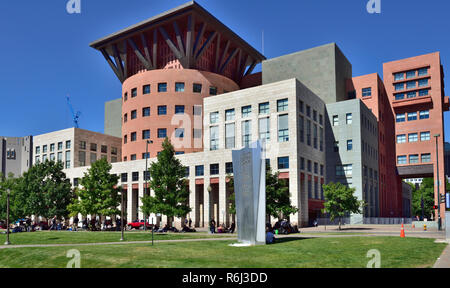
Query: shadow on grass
(289, 239)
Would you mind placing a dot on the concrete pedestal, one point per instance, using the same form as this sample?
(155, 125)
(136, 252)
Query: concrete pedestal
(447, 225)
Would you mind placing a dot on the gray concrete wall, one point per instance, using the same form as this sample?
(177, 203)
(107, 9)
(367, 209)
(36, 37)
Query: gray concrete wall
(113, 118)
(22, 159)
(322, 69)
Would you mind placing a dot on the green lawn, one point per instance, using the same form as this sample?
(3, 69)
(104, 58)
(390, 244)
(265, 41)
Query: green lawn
(288, 252)
(69, 237)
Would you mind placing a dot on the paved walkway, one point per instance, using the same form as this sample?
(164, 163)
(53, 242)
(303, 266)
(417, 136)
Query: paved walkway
(444, 260)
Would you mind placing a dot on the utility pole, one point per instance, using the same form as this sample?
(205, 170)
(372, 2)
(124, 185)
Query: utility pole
(7, 218)
(146, 176)
(121, 216)
(437, 183)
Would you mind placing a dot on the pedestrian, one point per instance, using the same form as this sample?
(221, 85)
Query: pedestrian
(190, 222)
(75, 223)
(232, 227)
(212, 226)
(186, 222)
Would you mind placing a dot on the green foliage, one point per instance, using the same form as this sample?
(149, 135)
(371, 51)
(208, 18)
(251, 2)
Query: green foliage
(8, 183)
(231, 198)
(169, 184)
(99, 194)
(425, 191)
(43, 190)
(340, 200)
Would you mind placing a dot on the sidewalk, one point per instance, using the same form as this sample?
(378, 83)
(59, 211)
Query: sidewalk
(444, 260)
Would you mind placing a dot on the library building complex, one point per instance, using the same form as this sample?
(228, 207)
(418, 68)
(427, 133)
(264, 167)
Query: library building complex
(188, 77)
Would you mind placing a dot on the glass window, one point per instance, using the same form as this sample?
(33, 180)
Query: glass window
(179, 132)
(229, 167)
(104, 149)
(400, 96)
(423, 82)
(301, 106)
(229, 136)
(423, 92)
(401, 159)
(125, 97)
(162, 110)
(423, 71)
(162, 133)
(179, 109)
(366, 92)
(83, 145)
(60, 145)
(68, 144)
(125, 139)
(424, 114)
(212, 90)
(197, 88)
(410, 74)
(133, 157)
(399, 76)
(413, 137)
(246, 111)
(67, 160)
(414, 159)
(179, 87)
(44, 149)
(146, 89)
(411, 84)
(302, 128)
(282, 105)
(199, 170)
(426, 158)
(309, 166)
(316, 168)
(399, 87)
(214, 169)
(146, 134)
(124, 177)
(308, 132)
(162, 87)
(134, 114)
(400, 118)
(283, 128)
(125, 118)
(411, 94)
(113, 150)
(335, 120)
(214, 137)
(93, 147)
(52, 147)
(425, 136)
(283, 162)
(214, 117)
(145, 111)
(60, 156)
(320, 119)
(133, 136)
(401, 138)
(229, 115)
(349, 145)
(308, 111)
(302, 163)
(38, 150)
(412, 116)
(264, 108)
(246, 132)
(93, 157)
(314, 115)
(349, 118)
(264, 128)
(133, 92)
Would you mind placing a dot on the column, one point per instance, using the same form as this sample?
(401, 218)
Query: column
(192, 200)
(206, 202)
(129, 203)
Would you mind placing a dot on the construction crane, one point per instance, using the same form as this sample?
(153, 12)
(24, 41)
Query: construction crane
(76, 115)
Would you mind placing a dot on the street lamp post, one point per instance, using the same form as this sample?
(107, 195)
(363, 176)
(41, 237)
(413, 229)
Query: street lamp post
(7, 218)
(146, 178)
(437, 183)
(121, 217)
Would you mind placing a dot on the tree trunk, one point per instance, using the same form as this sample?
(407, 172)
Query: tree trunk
(339, 223)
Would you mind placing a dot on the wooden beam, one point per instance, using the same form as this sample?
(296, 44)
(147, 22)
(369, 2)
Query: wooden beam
(118, 61)
(198, 38)
(216, 63)
(250, 69)
(146, 49)
(155, 49)
(224, 53)
(232, 55)
(111, 64)
(179, 39)
(170, 43)
(189, 39)
(205, 46)
(238, 66)
(138, 53)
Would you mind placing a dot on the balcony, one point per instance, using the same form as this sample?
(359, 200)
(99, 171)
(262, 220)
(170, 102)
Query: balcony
(420, 100)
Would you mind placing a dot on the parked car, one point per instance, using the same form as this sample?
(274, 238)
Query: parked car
(138, 224)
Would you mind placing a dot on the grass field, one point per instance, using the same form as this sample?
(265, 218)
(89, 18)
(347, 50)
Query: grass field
(68, 237)
(287, 252)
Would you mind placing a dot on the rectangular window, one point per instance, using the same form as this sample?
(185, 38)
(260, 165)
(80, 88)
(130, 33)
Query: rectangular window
(246, 132)
(412, 116)
(302, 163)
(314, 115)
(125, 118)
(93, 147)
(214, 169)
(179, 109)
(367, 92)
(93, 157)
(401, 159)
(162, 110)
(301, 106)
(411, 94)
(400, 118)
(315, 136)
(125, 139)
(133, 157)
(413, 159)
(162, 133)
(124, 177)
(133, 92)
(67, 160)
(246, 111)
(212, 90)
(125, 97)
(214, 118)
(426, 158)
(411, 85)
(349, 145)
(425, 136)
(423, 92)
(44, 149)
(283, 162)
(60, 156)
(162, 87)
(321, 170)
(229, 167)
(179, 87)
(282, 105)
(83, 145)
(308, 132)
(133, 136)
(104, 149)
(302, 129)
(68, 144)
(335, 120)
(197, 88)
(399, 87)
(229, 115)
(146, 155)
(309, 166)
(344, 170)
(264, 108)
(316, 168)
(38, 150)
(399, 76)
(401, 138)
(400, 96)
(52, 147)
(349, 118)
(146, 134)
(321, 135)
(413, 137)
(264, 128)
(60, 145)
(179, 132)
(423, 82)
(321, 119)
(113, 151)
(146, 89)
(145, 111)
(410, 74)
(214, 137)
(283, 128)
(423, 72)
(424, 114)
(308, 111)
(133, 114)
(199, 170)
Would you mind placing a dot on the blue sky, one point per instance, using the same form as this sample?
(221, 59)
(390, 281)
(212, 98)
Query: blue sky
(46, 55)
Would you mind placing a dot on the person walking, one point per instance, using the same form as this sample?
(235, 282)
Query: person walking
(190, 222)
(75, 223)
(212, 226)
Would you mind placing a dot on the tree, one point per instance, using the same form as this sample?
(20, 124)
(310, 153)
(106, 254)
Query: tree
(231, 198)
(169, 184)
(339, 200)
(8, 183)
(44, 191)
(99, 194)
(425, 192)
